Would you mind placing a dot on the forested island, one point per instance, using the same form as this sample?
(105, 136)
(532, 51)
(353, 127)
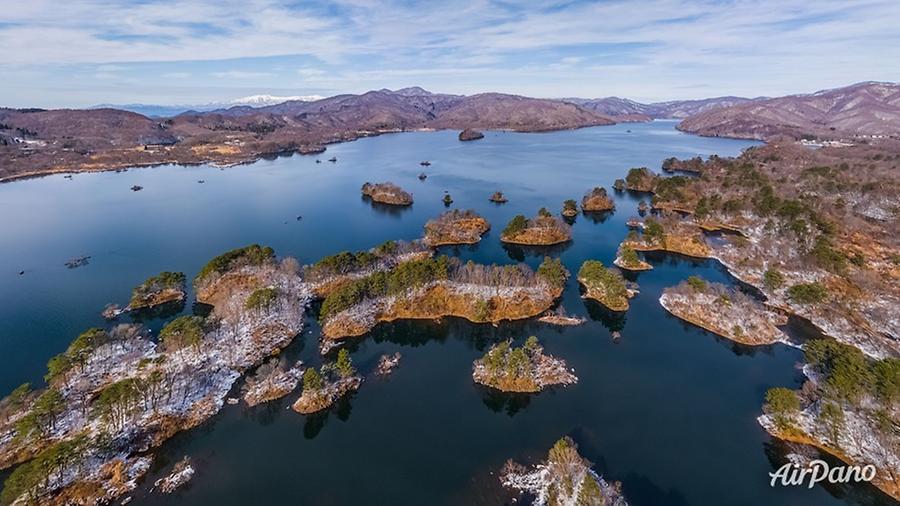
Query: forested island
(432, 288)
(565, 478)
(596, 201)
(387, 193)
(521, 369)
(542, 230)
(322, 387)
(604, 285)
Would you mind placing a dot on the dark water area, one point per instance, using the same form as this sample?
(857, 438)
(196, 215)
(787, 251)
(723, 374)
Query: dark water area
(668, 409)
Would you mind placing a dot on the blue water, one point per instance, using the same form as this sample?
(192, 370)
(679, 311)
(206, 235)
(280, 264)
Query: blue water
(666, 408)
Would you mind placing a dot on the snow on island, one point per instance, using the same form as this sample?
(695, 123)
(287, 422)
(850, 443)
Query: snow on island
(848, 407)
(727, 312)
(272, 380)
(522, 369)
(455, 227)
(433, 288)
(181, 473)
(565, 479)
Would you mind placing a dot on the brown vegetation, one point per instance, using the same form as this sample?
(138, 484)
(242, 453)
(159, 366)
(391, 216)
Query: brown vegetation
(387, 193)
(455, 227)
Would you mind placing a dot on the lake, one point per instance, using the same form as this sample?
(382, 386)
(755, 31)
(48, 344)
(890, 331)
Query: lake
(666, 408)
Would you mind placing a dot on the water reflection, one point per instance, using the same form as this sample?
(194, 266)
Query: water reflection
(506, 402)
(597, 217)
(519, 252)
(386, 209)
(614, 321)
(160, 312)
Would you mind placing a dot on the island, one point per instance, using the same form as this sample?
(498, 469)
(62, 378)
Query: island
(847, 408)
(565, 478)
(498, 198)
(725, 311)
(182, 472)
(597, 200)
(470, 134)
(115, 394)
(543, 230)
(432, 288)
(570, 208)
(604, 285)
(387, 193)
(272, 380)
(323, 387)
(522, 369)
(639, 179)
(628, 259)
(559, 316)
(455, 227)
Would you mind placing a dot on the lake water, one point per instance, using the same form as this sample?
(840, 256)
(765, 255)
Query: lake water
(666, 408)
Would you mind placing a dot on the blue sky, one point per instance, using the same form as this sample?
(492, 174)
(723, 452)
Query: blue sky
(77, 53)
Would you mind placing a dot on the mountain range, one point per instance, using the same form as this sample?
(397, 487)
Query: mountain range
(36, 141)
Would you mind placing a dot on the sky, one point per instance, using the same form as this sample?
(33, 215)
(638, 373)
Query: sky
(77, 53)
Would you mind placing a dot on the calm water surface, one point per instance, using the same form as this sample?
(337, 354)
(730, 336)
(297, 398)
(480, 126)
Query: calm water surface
(666, 408)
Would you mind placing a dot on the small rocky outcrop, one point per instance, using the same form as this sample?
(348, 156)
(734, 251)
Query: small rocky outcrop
(564, 479)
(470, 134)
(387, 193)
(569, 209)
(455, 227)
(387, 364)
(181, 474)
(724, 311)
(522, 369)
(597, 200)
(559, 317)
(604, 285)
(543, 230)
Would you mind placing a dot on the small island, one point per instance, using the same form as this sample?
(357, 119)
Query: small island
(604, 285)
(639, 179)
(522, 369)
(470, 134)
(432, 288)
(566, 478)
(447, 200)
(570, 208)
(272, 380)
(543, 230)
(455, 227)
(724, 311)
(181, 473)
(597, 200)
(323, 387)
(559, 317)
(628, 259)
(498, 198)
(387, 193)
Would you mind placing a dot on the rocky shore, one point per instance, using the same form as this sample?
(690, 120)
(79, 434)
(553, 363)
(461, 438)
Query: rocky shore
(387, 193)
(323, 387)
(523, 369)
(455, 227)
(627, 258)
(724, 311)
(564, 479)
(271, 381)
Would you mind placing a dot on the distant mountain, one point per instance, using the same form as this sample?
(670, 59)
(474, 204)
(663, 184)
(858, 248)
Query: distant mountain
(167, 111)
(868, 108)
(615, 106)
